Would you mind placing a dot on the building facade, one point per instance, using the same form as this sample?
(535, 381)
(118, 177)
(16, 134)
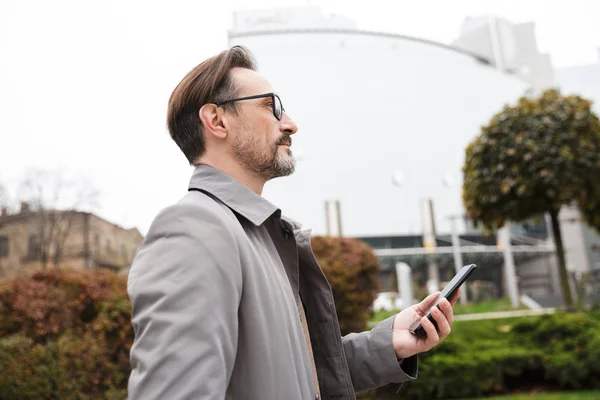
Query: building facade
(509, 47)
(33, 239)
(383, 119)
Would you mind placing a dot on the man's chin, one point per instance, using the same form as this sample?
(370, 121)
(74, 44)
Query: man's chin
(285, 167)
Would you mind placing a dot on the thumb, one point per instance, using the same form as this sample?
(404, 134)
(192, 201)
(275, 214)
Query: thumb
(424, 306)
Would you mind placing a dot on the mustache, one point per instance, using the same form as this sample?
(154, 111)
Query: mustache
(286, 139)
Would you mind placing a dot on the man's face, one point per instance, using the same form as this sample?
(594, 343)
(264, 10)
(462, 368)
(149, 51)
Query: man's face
(260, 142)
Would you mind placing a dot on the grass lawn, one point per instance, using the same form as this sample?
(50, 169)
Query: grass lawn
(503, 304)
(549, 396)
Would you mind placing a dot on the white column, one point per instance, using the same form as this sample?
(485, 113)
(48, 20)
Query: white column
(404, 277)
(333, 217)
(458, 261)
(429, 242)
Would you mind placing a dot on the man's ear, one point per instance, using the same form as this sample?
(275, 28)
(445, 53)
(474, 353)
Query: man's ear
(212, 118)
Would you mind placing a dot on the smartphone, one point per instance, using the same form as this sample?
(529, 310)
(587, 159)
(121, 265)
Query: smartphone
(460, 278)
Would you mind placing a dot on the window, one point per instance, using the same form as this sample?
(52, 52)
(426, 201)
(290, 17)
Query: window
(4, 246)
(35, 247)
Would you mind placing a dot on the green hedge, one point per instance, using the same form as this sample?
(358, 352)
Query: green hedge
(553, 352)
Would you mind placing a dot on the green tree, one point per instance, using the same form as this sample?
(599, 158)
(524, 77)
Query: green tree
(533, 158)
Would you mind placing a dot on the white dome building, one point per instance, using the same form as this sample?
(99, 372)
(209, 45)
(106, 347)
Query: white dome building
(370, 106)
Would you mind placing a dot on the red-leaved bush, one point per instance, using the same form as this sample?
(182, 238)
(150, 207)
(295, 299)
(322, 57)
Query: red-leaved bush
(67, 334)
(352, 270)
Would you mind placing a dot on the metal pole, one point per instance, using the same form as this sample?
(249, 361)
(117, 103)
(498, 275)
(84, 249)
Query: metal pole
(430, 243)
(509, 264)
(458, 261)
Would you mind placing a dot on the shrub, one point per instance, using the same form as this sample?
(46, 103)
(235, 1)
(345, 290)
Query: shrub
(54, 300)
(555, 352)
(86, 362)
(35, 309)
(27, 370)
(352, 270)
(114, 324)
(71, 333)
(567, 341)
(86, 354)
(71, 336)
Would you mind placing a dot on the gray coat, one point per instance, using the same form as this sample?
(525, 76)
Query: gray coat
(214, 310)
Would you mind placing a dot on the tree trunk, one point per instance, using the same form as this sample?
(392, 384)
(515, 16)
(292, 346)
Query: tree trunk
(44, 259)
(562, 265)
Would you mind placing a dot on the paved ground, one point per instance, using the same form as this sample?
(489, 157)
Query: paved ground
(504, 314)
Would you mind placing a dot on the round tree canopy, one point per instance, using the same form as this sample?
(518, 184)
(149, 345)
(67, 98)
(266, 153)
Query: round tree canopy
(533, 158)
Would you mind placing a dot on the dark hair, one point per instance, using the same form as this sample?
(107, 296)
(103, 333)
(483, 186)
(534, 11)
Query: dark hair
(209, 82)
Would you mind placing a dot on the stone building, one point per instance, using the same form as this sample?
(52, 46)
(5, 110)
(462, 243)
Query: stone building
(33, 239)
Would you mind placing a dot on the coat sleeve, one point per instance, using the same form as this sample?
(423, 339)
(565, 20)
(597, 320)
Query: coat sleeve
(185, 286)
(372, 359)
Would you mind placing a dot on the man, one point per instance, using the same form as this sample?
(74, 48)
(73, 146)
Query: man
(228, 299)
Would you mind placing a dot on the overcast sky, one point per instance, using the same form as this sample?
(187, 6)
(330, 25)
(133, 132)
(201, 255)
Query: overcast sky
(84, 84)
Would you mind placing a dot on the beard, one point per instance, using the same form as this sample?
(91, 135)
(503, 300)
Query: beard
(262, 159)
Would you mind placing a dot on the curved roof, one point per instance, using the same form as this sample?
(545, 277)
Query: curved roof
(477, 57)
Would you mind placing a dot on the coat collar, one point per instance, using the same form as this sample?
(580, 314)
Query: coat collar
(236, 196)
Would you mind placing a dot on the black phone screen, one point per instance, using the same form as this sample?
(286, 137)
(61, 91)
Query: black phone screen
(447, 292)
(457, 281)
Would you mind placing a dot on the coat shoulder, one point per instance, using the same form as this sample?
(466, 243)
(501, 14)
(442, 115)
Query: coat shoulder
(196, 214)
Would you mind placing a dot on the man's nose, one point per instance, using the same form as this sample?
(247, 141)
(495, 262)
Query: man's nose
(288, 125)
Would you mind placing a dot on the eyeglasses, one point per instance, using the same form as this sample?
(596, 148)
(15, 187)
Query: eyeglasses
(278, 109)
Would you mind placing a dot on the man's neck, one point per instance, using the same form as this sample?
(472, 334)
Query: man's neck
(238, 173)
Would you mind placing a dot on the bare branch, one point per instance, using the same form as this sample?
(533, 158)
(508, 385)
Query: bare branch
(56, 199)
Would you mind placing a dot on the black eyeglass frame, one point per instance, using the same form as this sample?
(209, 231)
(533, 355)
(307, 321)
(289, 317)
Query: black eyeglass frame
(258, 96)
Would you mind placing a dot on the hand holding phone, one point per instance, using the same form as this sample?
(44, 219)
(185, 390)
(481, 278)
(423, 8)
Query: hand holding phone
(451, 288)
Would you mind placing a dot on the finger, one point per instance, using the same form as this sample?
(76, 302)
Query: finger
(455, 297)
(441, 321)
(446, 308)
(432, 334)
(424, 306)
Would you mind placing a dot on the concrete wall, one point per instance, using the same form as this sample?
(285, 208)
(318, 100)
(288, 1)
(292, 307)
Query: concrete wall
(592, 246)
(573, 240)
(539, 277)
(112, 245)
